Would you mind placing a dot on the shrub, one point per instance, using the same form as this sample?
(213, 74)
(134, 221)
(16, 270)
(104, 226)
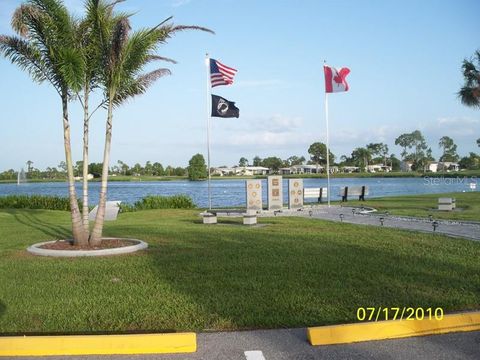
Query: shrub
(160, 202)
(34, 202)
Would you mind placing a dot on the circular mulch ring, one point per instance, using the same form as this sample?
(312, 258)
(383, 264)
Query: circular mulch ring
(109, 246)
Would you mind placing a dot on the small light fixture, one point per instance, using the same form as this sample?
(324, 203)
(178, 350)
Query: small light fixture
(310, 212)
(353, 212)
(435, 225)
(382, 219)
(341, 217)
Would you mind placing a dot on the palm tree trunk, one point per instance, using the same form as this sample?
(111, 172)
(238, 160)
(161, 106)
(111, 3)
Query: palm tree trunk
(86, 227)
(96, 236)
(79, 236)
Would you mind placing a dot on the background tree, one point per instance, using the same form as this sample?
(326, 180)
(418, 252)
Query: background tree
(478, 142)
(404, 141)
(294, 160)
(197, 169)
(257, 161)
(449, 149)
(361, 157)
(243, 162)
(46, 48)
(318, 154)
(273, 163)
(158, 169)
(470, 162)
(469, 94)
(29, 166)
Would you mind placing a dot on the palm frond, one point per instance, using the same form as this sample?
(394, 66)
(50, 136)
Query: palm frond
(138, 86)
(469, 96)
(160, 58)
(26, 57)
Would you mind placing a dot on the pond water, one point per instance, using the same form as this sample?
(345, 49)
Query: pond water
(232, 192)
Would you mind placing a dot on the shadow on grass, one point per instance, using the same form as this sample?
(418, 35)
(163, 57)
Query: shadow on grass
(3, 307)
(31, 220)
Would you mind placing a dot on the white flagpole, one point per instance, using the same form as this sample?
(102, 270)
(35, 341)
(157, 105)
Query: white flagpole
(328, 145)
(209, 97)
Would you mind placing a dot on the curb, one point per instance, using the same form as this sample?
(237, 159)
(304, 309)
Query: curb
(98, 344)
(37, 250)
(392, 329)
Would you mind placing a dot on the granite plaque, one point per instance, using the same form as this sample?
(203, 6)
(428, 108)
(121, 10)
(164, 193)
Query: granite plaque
(295, 193)
(275, 195)
(254, 194)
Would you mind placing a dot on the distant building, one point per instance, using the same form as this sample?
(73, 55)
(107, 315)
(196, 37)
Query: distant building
(378, 168)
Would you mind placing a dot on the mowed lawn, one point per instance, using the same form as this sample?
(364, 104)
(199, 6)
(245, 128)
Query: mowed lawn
(468, 205)
(289, 272)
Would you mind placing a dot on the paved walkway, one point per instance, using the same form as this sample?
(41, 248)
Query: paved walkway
(354, 215)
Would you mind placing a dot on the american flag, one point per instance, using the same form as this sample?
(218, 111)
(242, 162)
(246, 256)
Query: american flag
(221, 74)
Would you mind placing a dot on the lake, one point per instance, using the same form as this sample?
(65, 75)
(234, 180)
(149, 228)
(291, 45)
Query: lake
(232, 192)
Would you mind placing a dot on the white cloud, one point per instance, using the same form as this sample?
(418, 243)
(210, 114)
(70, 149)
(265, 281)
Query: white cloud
(455, 127)
(178, 3)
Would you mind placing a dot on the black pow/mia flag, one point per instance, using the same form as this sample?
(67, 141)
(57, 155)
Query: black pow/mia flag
(223, 108)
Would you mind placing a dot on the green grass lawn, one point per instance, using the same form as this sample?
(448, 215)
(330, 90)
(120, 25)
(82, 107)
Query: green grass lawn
(468, 205)
(289, 272)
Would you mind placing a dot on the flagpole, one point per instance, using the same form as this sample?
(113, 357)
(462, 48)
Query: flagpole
(209, 96)
(328, 146)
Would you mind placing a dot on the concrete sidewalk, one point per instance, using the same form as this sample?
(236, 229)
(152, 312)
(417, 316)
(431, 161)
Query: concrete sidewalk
(354, 215)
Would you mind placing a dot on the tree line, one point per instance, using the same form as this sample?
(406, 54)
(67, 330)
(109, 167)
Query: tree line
(414, 150)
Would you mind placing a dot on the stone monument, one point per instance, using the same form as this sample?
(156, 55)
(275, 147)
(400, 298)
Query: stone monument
(275, 193)
(254, 194)
(295, 193)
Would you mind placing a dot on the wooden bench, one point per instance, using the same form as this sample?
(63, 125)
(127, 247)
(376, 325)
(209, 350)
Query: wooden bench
(359, 191)
(446, 204)
(315, 193)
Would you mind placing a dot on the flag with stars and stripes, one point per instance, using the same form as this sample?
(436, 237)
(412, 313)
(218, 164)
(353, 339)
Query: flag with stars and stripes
(221, 74)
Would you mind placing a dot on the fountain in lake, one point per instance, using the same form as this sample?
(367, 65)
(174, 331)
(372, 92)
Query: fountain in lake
(21, 177)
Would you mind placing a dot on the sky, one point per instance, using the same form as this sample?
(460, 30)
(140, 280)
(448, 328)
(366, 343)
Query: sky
(405, 59)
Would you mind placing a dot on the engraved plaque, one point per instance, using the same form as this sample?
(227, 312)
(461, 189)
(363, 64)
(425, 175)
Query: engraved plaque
(254, 194)
(295, 191)
(275, 193)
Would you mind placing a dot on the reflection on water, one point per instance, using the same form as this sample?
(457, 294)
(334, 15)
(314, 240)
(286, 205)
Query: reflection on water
(232, 192)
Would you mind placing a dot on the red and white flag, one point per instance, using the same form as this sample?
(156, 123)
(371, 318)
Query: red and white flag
(335, 80)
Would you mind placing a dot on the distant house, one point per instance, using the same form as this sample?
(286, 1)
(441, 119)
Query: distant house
(240, 171)
(406, 166)
(448, 166)
(378, 168)
(350, 169)
(432, 166)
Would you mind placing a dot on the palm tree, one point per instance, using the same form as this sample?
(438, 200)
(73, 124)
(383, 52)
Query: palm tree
(469, 94)
(46, 49)
(124, 58)
(88, 34)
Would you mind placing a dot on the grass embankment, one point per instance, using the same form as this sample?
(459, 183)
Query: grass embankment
(468, 205)
(290, 272)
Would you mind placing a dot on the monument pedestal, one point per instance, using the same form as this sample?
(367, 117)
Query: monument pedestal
(249, 219)
(209, 218)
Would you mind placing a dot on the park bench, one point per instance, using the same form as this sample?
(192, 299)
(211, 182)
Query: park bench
(315, 193)
(210, 216)
(359, 191)
(446, 204)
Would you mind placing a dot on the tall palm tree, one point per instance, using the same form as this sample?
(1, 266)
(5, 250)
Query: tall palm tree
(46, 49)
(125, 56)
(469, 94)
(89, 34)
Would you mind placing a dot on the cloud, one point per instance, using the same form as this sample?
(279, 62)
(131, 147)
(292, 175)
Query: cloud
(455, 127)
(178, 3)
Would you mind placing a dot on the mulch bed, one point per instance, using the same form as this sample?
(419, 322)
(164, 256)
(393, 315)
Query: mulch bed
(105, 244)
